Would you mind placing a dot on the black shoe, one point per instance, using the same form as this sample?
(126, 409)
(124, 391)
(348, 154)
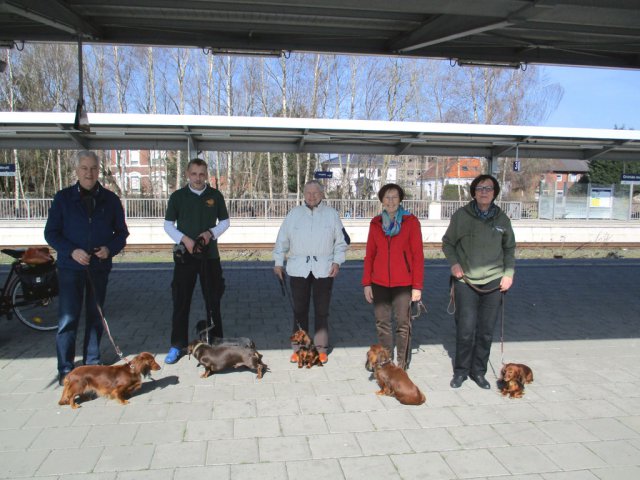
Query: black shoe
(457, 380)
(61, 376)
(481, 381)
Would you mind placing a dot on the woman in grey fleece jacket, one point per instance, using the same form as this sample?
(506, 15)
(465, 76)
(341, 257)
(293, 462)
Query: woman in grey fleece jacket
(479, 244)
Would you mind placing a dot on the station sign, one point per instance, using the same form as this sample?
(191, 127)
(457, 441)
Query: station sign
(322, 174)
(630, 178)
(7, 169)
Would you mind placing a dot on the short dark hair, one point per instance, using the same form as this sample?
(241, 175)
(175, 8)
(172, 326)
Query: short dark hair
(482, 178)
(390, 186)
(197, 161)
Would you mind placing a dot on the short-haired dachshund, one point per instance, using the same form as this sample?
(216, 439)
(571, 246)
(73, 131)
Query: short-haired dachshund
(220, 357)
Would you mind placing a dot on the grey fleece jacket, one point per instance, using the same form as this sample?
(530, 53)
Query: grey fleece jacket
(485, 249)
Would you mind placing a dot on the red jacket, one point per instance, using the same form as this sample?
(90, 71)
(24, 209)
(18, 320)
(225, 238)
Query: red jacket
(394, 261)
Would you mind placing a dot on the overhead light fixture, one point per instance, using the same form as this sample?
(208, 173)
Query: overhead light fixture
(248, 52)
(488, 63)
(81, 121)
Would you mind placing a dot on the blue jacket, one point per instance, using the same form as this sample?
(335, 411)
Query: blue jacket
(69, 226)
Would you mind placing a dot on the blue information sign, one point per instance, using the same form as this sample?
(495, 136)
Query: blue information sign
(322, 174)
(7, 169)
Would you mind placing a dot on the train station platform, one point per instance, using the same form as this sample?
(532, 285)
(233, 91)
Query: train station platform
(256, 232)
(574, 322)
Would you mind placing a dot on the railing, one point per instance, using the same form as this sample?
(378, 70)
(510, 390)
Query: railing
(38, 208)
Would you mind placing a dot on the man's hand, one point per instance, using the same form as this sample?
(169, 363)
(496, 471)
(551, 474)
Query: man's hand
(102, 253)
(416, 295)
(368, 294)
(279, 272)
(80, 256)
(505, 283)
(456, 271)
(188, 243)
(335, 268)
(207, 236)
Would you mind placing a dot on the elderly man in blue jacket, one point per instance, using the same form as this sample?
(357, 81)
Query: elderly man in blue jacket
(86, 227)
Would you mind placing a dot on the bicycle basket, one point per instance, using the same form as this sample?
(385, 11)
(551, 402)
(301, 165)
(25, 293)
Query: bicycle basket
(38, 281)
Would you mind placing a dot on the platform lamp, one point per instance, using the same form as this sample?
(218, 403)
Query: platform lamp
(81, 121)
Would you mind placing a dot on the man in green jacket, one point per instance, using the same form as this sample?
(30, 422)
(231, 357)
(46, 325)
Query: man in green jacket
(196, 217)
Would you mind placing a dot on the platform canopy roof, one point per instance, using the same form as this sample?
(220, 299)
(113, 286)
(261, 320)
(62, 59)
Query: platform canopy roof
(602, 33)
(45, 130)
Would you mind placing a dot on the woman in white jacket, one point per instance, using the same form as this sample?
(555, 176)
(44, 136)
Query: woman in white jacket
(312, 239)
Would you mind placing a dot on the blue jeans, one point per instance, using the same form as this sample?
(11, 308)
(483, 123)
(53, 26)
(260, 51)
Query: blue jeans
(74, 286)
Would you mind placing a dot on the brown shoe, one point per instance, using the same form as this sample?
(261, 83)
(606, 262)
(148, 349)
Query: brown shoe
(324, 358)
(294, 357)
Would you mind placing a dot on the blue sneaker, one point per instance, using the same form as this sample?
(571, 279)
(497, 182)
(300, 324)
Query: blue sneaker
(173, 356)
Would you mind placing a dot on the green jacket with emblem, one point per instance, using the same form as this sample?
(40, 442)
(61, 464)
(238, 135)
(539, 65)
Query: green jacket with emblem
(195, 214)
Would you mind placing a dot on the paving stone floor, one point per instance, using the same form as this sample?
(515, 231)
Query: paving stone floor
(575, 322)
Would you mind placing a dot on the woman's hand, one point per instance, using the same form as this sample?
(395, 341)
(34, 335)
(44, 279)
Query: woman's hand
(416, 295)
(368, 294)
(456, 271)
(505, 283)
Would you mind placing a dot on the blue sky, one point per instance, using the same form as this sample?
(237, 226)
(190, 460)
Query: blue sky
(596, 97)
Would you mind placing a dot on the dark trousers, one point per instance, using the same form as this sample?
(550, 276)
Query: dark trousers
(301, 289)
(74, 287)
(386, 302)
(476, 316)
(184, 281)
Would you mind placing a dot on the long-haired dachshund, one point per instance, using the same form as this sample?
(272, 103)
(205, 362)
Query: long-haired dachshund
(513, 377)
(220, 357)
(392, 380)
(115, 381)
(308, 354)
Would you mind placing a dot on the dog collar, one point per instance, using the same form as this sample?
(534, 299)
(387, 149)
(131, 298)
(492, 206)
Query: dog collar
(382, 364)
(197, 347)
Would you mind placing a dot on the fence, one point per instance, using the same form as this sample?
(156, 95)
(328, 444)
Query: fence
(38, 208)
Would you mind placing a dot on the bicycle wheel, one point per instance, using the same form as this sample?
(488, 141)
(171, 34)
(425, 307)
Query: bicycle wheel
(41, 314)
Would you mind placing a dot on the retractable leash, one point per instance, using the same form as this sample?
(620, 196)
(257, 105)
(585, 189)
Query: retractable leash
(287, 293)
(104, 320)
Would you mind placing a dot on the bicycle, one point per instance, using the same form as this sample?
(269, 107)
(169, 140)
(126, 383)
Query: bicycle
(39, 311)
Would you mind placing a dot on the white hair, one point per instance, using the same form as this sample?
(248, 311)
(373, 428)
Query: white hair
(314, 182)
(75, 160)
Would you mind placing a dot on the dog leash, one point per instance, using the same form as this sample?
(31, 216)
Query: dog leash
(420, 308)
(104, 320)
(286, 292)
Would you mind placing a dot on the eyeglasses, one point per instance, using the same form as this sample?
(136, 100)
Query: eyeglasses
(484, 189)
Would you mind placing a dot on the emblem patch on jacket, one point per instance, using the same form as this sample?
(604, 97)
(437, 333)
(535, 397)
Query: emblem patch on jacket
(210, 202)
(499, 229)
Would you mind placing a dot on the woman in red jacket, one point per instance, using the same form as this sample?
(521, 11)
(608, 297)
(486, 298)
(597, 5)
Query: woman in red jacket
(393, 270)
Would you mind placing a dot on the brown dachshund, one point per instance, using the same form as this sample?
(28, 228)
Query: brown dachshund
(392, 380)
(220, 357)
(513, 378)
(115, 381)
(308, 354)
